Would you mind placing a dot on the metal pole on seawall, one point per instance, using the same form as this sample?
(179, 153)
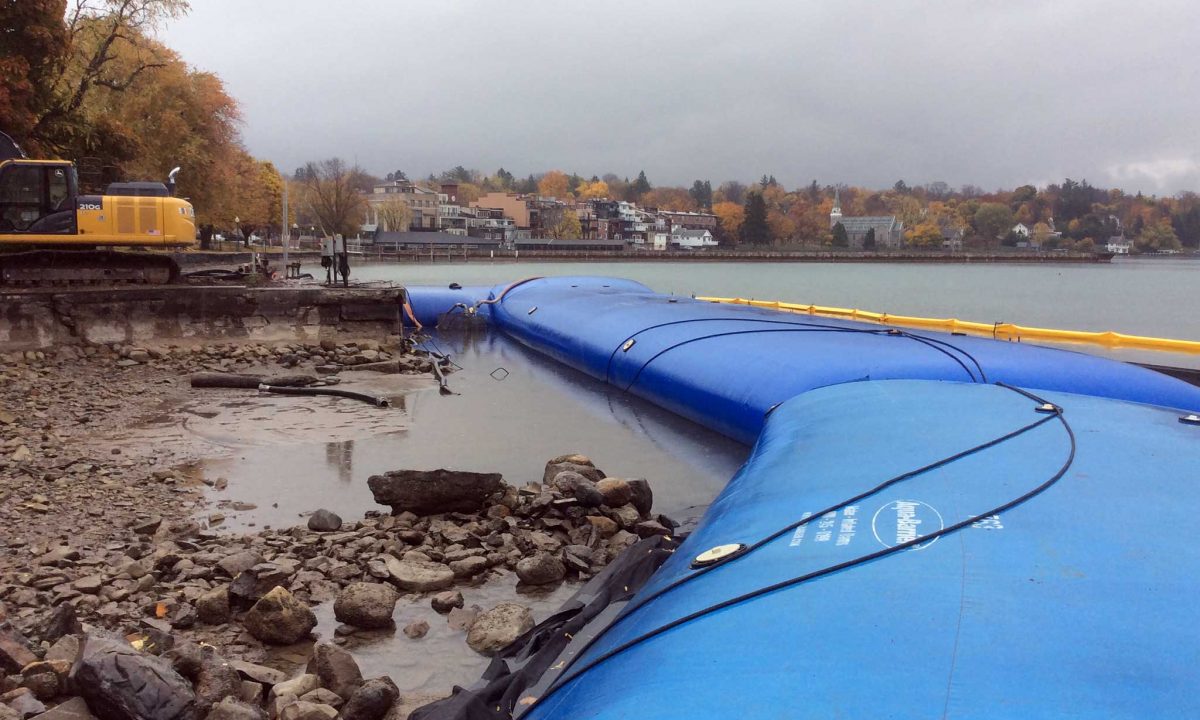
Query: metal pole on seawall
(286, 230)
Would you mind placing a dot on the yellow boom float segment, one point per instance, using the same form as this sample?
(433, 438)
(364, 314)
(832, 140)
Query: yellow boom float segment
(999, 331)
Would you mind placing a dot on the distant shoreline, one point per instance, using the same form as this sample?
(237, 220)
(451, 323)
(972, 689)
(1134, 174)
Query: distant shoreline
(940, 258)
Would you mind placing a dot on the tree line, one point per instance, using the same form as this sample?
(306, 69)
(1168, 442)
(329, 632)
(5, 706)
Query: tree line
(85, 80)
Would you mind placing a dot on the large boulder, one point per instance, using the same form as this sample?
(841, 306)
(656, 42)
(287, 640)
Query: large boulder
(213, 606)
(372, 700)
(497, 628)
(336, 669)
(279, 618)
(430, 492)
(616, 491)
(412, 575)
(643, 496)
(572, 484)
(324, 521)
(366, 605)
(540, 569)
(231, 709)
(553, 468)
(120, 683)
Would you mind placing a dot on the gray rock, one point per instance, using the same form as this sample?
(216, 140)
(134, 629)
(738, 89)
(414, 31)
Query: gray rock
(23, 703)
(540, 569)
(469, 567)
(417, 629)
(15, 649)
(643, 497)
(279, 618)
(616, 491)
(626, 515)
(554, 468)
(324, 521)
(335, 669)
(302, 710)
(295, 687)
(258, 673)
(497, 628)
(216, 681)
(371, 701)
(573, 484)
(366, 605)
(120, 683)
(231, 709)
(321, 696)
(650, 528)
(446, 601)
(239, 562)
(429, 492)
(419, 576)
(73, 709)
(213, 606)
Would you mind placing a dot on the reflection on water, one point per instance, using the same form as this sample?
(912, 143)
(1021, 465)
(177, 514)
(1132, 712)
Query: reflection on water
(340, 457)
(512, 410)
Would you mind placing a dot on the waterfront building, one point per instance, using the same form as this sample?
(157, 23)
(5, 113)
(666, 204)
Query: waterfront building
(423, 205)
(690, 239)
(889, 231)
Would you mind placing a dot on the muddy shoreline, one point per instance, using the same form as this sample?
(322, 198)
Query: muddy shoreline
(110, 524)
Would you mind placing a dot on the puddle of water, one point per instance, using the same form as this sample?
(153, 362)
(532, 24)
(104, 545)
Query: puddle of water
(441, 659)
(538, 410)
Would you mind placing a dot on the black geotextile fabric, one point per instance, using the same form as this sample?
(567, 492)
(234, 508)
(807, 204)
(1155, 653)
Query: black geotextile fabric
(521, 665)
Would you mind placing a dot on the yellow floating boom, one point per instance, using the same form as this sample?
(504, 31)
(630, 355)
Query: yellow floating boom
(1000, 331)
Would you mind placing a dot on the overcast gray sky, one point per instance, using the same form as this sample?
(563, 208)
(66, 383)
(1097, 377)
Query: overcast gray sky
(989, 93)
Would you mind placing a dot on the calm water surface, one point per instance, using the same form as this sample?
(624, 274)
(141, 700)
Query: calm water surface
(1140, 296)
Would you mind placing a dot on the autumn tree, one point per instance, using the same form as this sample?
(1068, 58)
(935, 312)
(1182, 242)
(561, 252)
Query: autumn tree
(561, 222)
(330, 192)
(394, 214)
(755, 229)
(258, 201)
(926, 233)
(664, 198)
(1156, 237)
(731, 191)
(992, 221)
(730, 216)
(35, 45)
(594, 190)
(554, 184)
(98, 32)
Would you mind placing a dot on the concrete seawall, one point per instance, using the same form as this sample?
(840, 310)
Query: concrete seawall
(31, 320)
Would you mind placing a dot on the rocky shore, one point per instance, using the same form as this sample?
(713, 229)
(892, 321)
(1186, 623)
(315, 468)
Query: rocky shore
(114, 567)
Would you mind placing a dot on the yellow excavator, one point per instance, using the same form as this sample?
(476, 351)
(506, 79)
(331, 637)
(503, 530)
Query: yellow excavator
(52, 234)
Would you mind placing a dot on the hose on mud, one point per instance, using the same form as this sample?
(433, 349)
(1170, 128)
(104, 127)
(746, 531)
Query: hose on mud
(375, 400)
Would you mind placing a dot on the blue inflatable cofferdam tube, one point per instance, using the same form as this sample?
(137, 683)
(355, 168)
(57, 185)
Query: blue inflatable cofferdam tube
(915, 550)
(726, 366)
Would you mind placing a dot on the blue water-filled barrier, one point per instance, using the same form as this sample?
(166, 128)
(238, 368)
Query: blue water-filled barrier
(929, 525)
(1070, 600)
(725, 366)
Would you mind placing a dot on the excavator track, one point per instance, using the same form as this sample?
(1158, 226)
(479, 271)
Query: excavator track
(36, 268)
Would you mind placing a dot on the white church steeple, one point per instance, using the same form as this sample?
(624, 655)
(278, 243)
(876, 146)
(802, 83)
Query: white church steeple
(835, 215)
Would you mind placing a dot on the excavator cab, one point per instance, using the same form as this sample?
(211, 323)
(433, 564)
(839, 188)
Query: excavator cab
(38, 197)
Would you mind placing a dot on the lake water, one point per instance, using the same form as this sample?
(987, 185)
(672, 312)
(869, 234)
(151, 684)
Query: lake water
(1139, 296)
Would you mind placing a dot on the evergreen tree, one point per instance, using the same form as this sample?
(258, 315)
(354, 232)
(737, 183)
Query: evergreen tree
(868, 239)
(840, 238)
(901, 187)
(814, 193)
(701, 192)
(755, 229)
(641, 186)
